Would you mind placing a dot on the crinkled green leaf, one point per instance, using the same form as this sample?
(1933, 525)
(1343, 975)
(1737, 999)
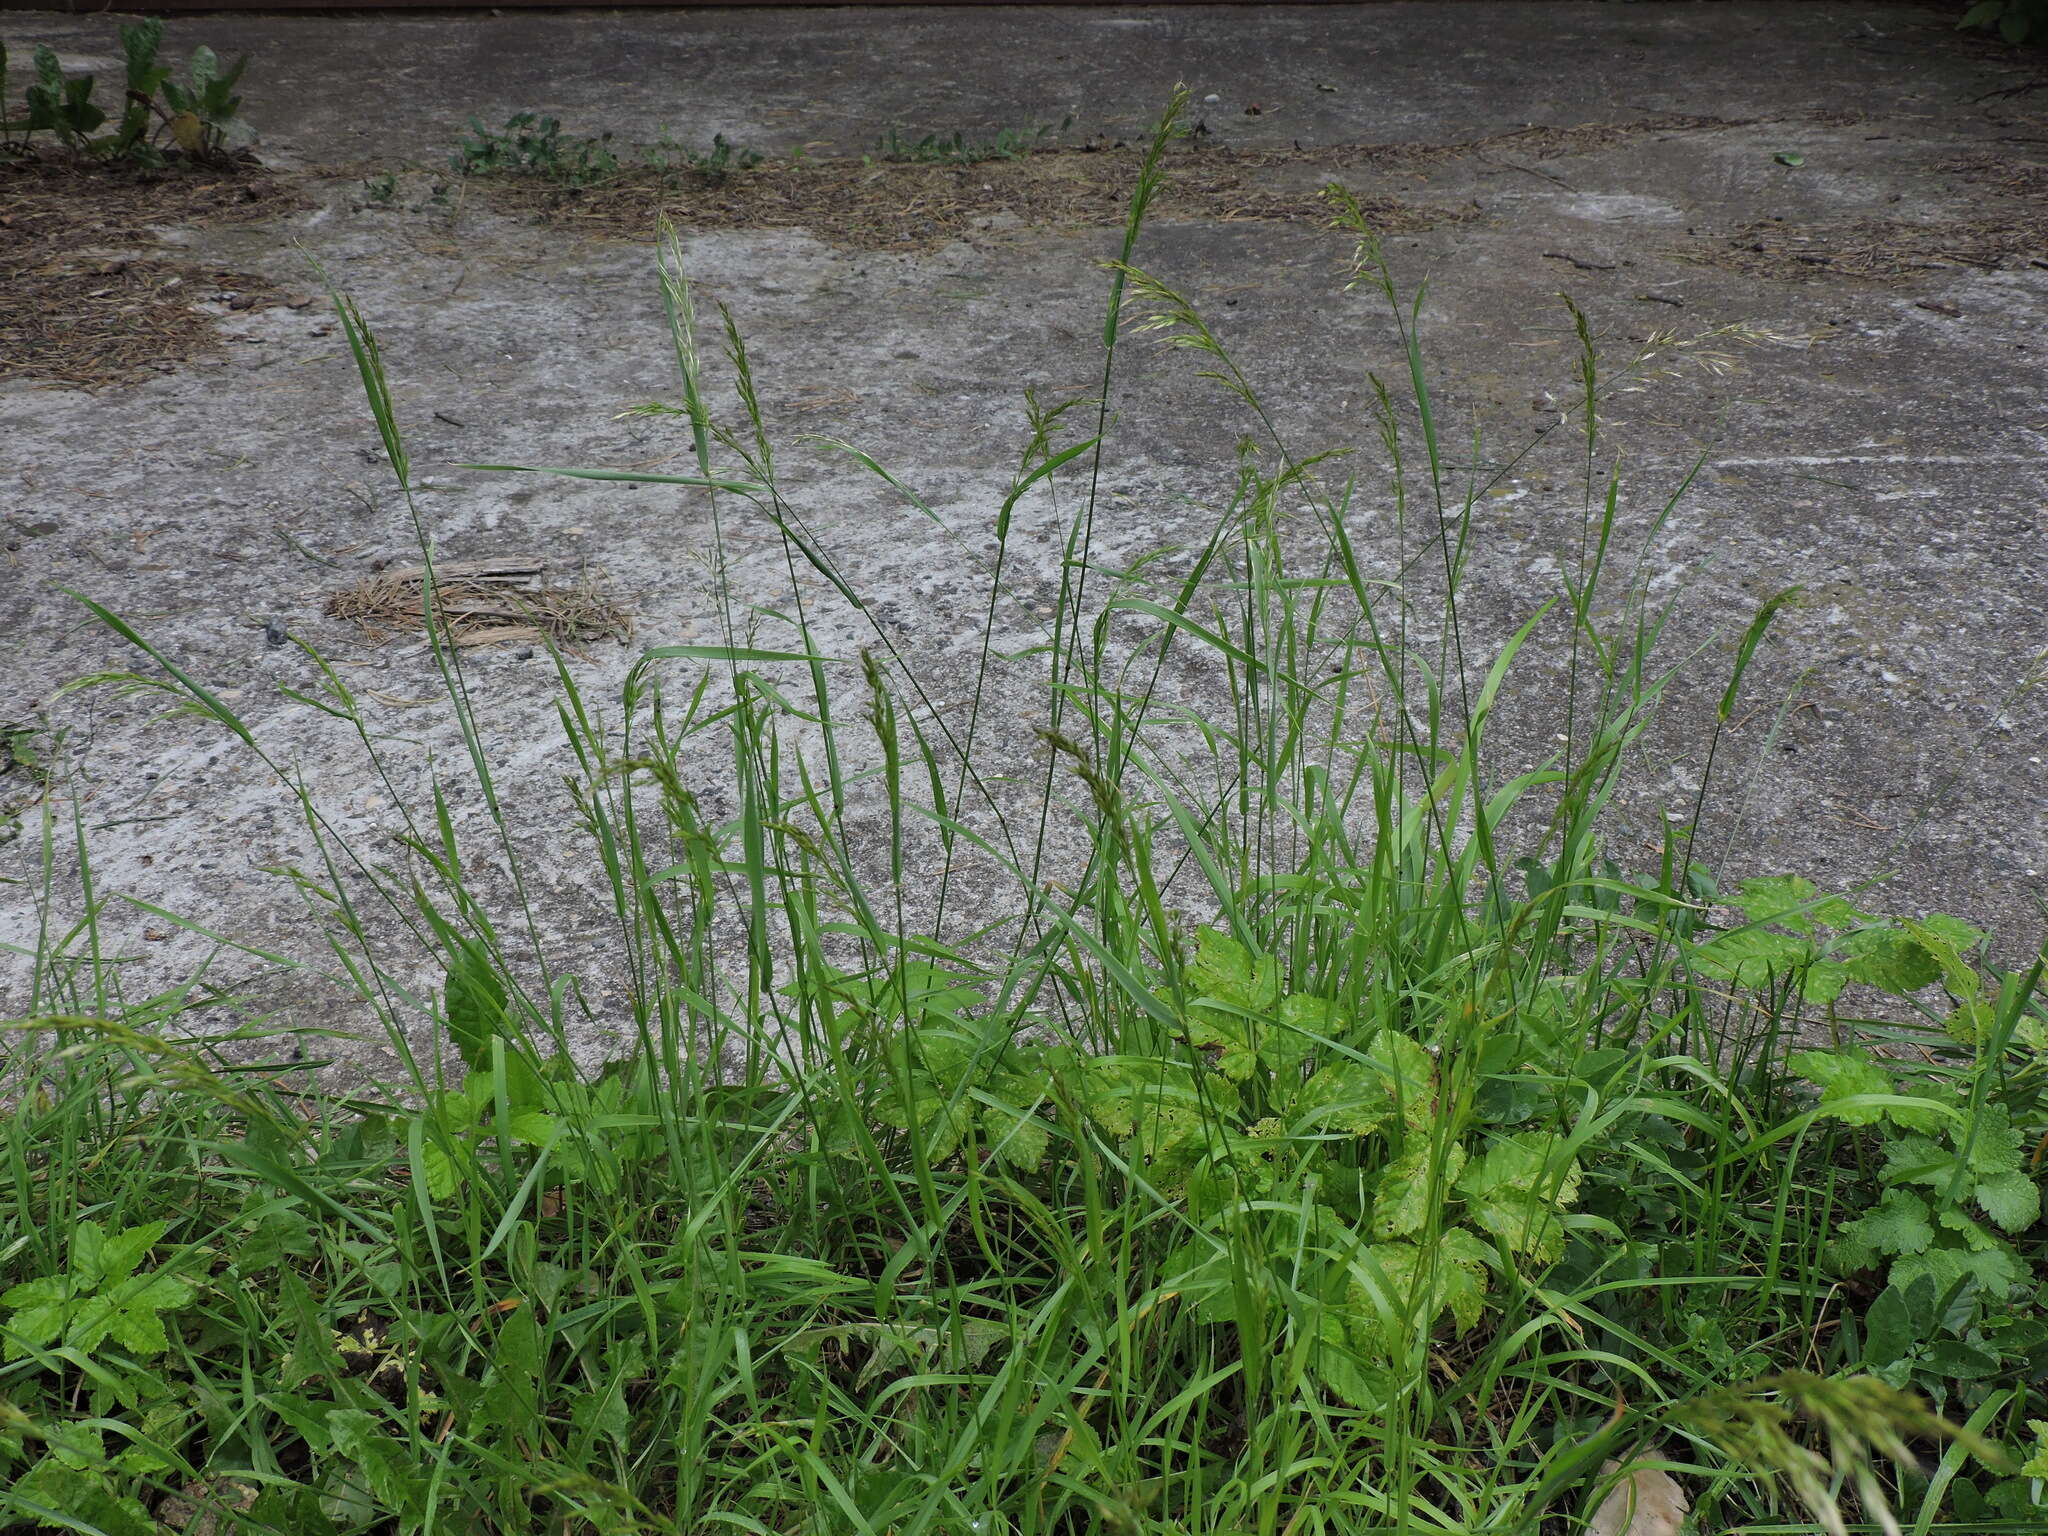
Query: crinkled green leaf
(473, 1001)
(1780, 898)
(1206, 1275)
(1517, 1190)
(958, 1345)
(385, 1466)
(456, 1112)
(1405, 1193)
(1889, 959)
(1995, 1144)
(1754, 957)
(1975, 1235)
(39, 1324)
(939, 1122)
(1852, 1073)
(533, 1127)
(1405, 1284)
(1232, 997)
(440, 1173)
(1899, 1223)
(1948, 941)
(1823, 981)
(1396, 1080)
(1919, 1160)
(2011, 1199)
(934, 1053)
(1970, 1023)
(1237, 1165)
(33, 1293)
(1305, 1022)
(1224, 969)
(1350, 1363)
(2037, 1464)
(1380, 1294)
(1842, 1075)
(1953, 931)
(88, 1241)
(136, 1324)
(118, 1255)
(81, 1495)
(1996, 1269)
(1120, 1091)
(1016, 1136)
(1463, 1276)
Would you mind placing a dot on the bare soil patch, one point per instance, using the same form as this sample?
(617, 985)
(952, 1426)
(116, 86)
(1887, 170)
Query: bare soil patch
(84, 298)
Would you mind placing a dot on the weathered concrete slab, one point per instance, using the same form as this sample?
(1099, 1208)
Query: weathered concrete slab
(1878, 439)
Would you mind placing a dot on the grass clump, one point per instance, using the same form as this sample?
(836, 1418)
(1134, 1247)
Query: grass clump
(1263, 1110)
(531, 144)
(957, 148)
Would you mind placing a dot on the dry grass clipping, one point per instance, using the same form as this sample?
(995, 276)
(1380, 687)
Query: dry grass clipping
(1878, 249)
(907, 206)
(81, 303)
(484, 602)
(2007, 221)
(910, 207)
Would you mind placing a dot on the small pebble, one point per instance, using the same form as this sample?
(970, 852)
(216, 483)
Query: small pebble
(1212, 98)
(273, 633)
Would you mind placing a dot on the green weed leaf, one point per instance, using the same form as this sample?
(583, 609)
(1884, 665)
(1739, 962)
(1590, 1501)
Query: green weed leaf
(1997, 1269)
(1406, 1193)
(2011, 1199)
(1516, 1191)
(386, 1469)
(474, 1001)
(1793, 903)
(1851, 1074)
(101, 1297)
(1395, 1082)
(1899, 1223)
(1234, 997)
(1890, 959)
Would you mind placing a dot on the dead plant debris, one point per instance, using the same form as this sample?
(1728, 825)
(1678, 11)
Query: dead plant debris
(1878, 249)
(909, 207)
(2008, 220)
(2002, 173)
(84, 299)
(484, 602)
(892, 206)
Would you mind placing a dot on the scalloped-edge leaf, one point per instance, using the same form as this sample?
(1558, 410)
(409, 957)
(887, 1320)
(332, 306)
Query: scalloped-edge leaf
(2011, 1199)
